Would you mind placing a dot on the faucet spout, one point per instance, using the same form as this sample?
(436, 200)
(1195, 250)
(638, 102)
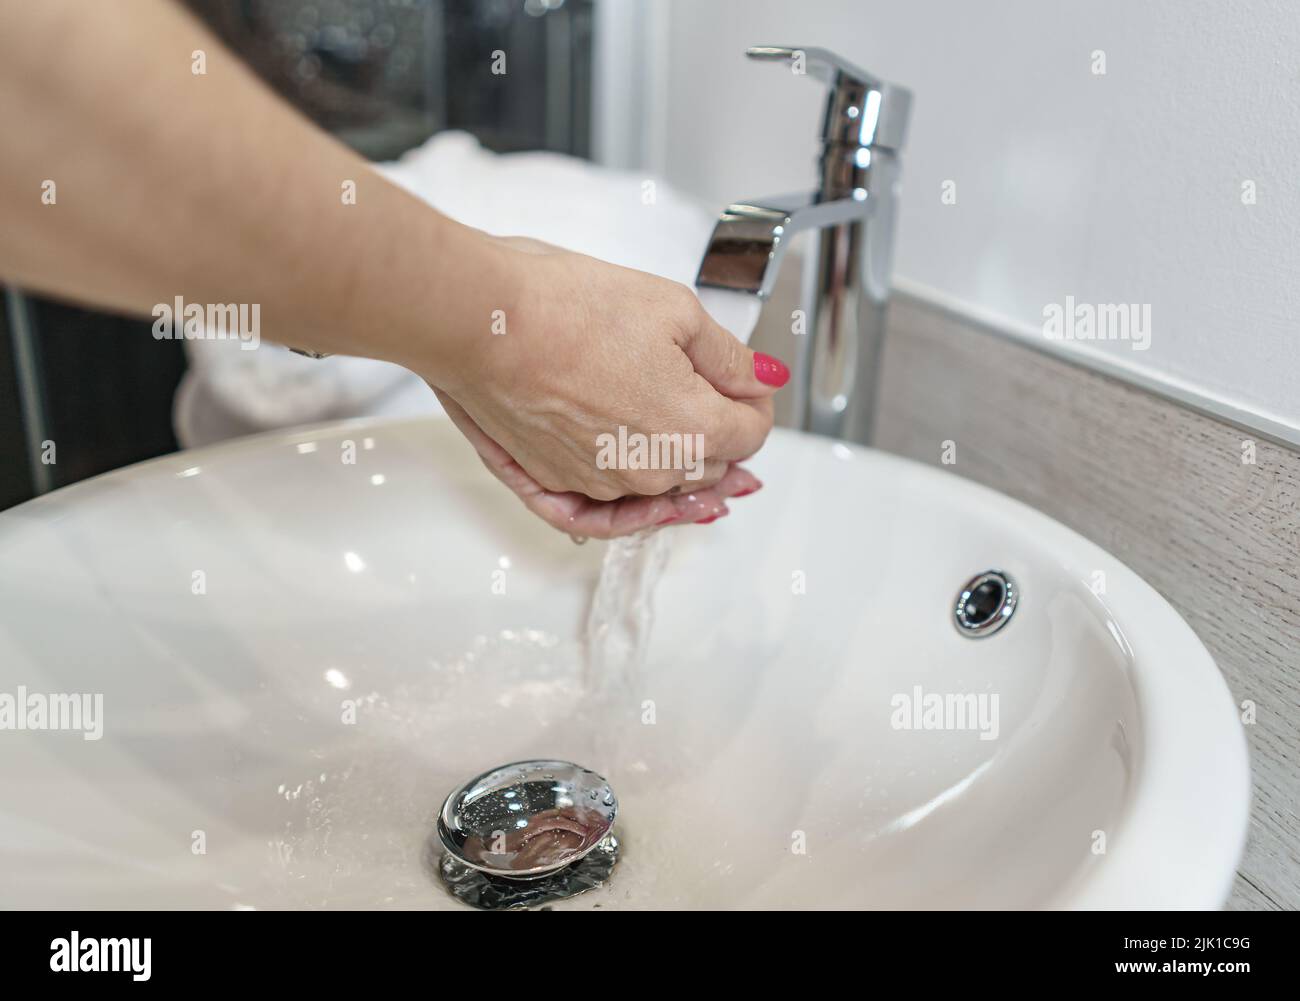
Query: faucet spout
(750, 238)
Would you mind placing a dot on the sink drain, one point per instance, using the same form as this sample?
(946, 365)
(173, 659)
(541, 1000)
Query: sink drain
(526, 833)
(496, 893)
(986, 603)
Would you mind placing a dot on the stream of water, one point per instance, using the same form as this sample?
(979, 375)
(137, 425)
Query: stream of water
(621, 615)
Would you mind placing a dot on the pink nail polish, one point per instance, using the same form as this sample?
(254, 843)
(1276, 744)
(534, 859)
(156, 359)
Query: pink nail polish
(667, 521)
(770, 371)
(751, 490)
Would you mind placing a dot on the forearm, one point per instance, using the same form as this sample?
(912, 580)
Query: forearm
(170, 183)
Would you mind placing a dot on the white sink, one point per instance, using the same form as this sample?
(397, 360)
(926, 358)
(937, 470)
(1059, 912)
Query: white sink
(773, 711)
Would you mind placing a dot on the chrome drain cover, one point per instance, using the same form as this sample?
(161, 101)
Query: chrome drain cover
(496, 893)
(527, 833)
(528, 819)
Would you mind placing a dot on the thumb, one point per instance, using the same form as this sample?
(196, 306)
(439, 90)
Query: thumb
(729, 366)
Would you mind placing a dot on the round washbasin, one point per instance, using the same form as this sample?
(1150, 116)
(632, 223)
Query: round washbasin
(296, 657)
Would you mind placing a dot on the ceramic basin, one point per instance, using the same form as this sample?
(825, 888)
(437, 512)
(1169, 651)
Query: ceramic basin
(299, 657)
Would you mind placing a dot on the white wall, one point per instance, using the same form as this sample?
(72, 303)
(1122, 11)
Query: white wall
(1122, 188)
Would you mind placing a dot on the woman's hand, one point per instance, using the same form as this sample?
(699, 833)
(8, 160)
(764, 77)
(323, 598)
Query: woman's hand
(583, 517)
(586, 354)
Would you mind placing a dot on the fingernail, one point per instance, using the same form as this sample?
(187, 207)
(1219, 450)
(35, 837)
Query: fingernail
(712, 518)
(667, 521)
(750, 490)
(770, 371)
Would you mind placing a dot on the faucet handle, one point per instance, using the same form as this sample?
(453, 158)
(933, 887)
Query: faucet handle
(861, 110)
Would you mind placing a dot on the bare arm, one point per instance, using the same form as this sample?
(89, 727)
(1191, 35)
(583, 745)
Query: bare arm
(206, 186)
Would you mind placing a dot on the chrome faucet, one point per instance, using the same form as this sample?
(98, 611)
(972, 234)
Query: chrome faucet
(847, 267)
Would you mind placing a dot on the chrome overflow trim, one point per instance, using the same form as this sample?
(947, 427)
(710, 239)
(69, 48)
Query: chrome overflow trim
(986, 603)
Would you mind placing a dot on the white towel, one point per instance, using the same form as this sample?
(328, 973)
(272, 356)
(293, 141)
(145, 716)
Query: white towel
(618, 216)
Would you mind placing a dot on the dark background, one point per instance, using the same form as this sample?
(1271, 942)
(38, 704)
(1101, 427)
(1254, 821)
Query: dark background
(383, 75)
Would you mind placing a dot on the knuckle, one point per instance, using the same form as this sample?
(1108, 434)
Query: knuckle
(682, 304)
(684, 299)
(657, 481)
(604, 490)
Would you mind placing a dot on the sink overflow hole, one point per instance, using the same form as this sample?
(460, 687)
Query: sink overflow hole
(986, 603)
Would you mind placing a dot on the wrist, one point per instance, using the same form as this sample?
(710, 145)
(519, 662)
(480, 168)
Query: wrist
(472, 297)
(457, 288)
(421, 290)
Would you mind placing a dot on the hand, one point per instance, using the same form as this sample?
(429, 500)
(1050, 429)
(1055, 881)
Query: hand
(590, 348)
(583, 517)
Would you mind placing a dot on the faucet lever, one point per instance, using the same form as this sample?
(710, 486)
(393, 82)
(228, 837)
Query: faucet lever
(821, 63)
(862, 110)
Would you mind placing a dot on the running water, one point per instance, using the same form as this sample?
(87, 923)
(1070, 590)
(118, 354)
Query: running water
(347, 814)
(622, 613)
